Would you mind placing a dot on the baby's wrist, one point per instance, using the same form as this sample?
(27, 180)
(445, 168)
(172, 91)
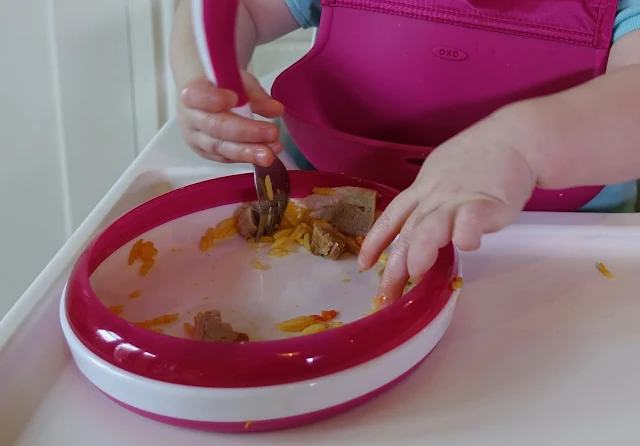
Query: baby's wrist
(523, 127)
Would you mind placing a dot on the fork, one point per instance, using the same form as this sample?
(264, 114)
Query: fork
(214, 33)
(274, 190)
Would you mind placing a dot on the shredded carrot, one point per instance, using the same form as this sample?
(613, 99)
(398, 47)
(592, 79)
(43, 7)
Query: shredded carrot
(144, 251)
(164, 319)
(296, 324)
(281, 243)
(206, 241)
(278, 252)
(189, 329)
(226, 228)
(604, 270)
(301, 323)
(283, 233)
(329, 315)
(227, 223)
(457, 283)
(323, 191)
(146, 266)
(248, 424)
(135, 294)
(134, 254)
(352, 244)
(307, 242)
(315, 328)
(148, 251)
(377, 303)
(117, 309)
(258, 265)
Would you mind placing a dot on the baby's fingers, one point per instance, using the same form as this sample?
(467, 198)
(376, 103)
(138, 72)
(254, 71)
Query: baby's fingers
(396, 273)
(227, 151)
(476, 218)
(261, 102)
(230, 127)
(386, 228)
(202, 95)
(431, 232)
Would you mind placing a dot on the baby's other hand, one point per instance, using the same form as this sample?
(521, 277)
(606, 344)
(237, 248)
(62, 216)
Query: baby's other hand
(475, 183)
(215, 133)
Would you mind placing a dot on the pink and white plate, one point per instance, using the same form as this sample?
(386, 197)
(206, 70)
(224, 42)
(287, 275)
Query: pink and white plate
(276, 380)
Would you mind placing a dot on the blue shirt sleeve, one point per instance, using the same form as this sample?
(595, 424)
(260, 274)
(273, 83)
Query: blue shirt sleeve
(306, 12)
(627, 18)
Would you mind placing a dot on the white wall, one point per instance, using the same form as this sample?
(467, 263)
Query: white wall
(33, 209)
(84, 85)
(66, 124)
(281, 53)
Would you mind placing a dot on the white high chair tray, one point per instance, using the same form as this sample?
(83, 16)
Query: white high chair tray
(543, 348)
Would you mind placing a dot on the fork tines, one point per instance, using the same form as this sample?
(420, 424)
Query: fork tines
(273, 188)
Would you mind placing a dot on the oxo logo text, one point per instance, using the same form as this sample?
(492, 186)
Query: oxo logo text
(449, 53)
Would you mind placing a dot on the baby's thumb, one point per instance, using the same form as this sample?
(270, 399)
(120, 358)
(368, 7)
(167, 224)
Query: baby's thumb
(476, 218)
(261, 102)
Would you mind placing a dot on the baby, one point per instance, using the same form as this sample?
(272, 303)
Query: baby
(460, 194)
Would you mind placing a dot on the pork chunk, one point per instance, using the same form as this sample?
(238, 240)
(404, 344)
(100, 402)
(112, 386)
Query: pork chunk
(326, 241)
(247, 220)
(352, 210)
(210, 328)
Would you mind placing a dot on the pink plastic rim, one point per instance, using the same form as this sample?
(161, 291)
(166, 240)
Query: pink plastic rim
(188, 362)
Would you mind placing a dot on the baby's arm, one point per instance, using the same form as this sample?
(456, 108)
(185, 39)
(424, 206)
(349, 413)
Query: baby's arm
(589, 135)
(259, 21)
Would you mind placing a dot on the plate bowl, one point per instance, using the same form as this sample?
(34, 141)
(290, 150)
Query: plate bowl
(275, 381)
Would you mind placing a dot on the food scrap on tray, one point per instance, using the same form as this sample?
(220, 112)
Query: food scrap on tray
(144, 251)
(208, 326)
(604, 270)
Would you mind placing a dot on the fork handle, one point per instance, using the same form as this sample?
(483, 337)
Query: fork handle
(214, 24)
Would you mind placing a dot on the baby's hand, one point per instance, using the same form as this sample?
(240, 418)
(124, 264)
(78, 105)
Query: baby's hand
(473, 184)
(215, 133)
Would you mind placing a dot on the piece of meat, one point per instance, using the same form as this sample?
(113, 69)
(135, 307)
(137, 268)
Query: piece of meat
(247, 220)
(352, 210)
(210, 328)
(326, 241)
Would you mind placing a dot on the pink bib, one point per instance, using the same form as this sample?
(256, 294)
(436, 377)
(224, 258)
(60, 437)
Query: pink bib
(388, 80)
